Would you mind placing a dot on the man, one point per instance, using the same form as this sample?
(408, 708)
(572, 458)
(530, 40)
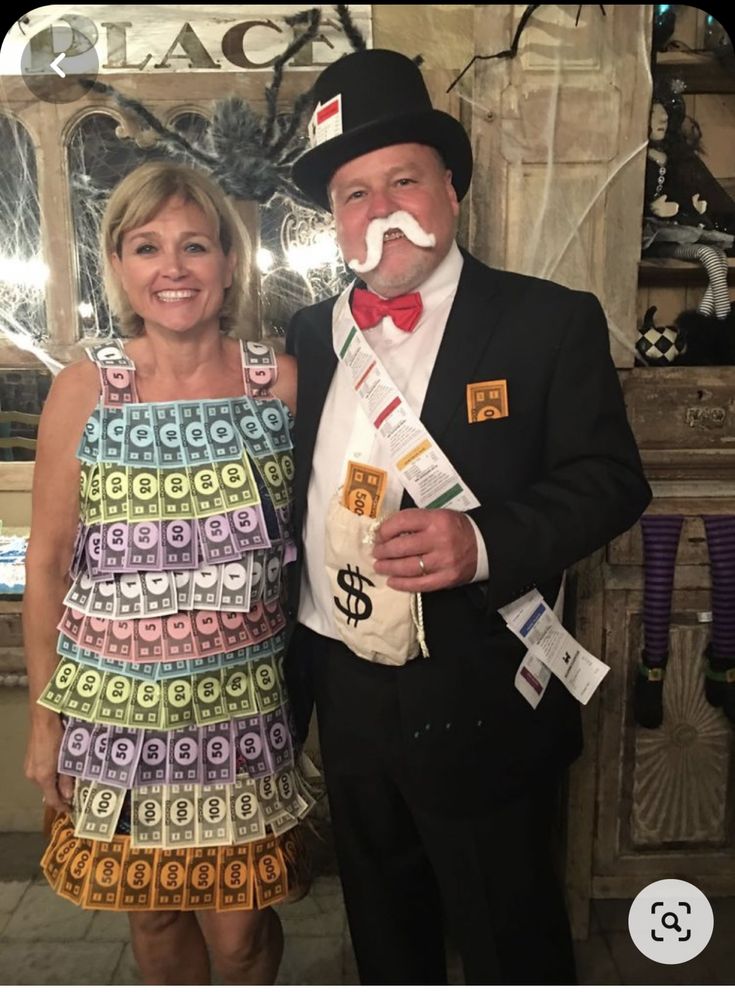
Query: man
(441, 777)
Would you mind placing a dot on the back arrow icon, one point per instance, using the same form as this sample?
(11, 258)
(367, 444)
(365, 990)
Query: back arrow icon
(56, 67)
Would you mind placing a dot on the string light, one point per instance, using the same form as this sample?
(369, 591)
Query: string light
(28, 273)
(321, 251)
(264, 259)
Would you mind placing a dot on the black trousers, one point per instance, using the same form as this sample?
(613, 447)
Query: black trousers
(413, 867)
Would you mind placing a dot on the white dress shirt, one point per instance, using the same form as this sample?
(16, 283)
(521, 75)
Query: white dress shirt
(409, 360)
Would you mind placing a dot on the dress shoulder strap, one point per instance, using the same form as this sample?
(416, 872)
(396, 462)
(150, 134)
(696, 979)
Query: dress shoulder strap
(259, 369)
(117, 373)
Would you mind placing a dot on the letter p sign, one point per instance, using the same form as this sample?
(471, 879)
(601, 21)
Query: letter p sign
(60, 62)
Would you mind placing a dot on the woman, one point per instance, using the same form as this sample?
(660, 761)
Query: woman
(161, 736)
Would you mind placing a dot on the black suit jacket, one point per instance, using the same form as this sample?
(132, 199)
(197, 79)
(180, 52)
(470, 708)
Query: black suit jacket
(557, 479)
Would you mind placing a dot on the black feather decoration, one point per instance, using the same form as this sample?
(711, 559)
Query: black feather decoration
(313, 19)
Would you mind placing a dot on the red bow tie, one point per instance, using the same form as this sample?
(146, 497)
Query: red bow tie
(369, 309)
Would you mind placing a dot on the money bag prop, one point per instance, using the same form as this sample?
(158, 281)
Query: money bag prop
(374, 621)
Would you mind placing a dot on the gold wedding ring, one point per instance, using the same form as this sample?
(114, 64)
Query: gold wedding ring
(422, 566)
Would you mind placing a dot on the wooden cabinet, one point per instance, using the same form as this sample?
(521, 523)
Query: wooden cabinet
(641, 804)
(649, 804)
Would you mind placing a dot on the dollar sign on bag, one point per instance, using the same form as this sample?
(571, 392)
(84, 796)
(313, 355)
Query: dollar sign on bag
(359, 605)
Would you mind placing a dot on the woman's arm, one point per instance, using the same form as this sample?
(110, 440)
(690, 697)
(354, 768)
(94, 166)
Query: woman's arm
(285, 388)
(73, 396)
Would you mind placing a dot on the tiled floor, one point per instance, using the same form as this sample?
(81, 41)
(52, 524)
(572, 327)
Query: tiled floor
(45, 940)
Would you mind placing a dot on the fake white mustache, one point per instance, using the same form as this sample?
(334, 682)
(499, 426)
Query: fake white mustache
(400, 220)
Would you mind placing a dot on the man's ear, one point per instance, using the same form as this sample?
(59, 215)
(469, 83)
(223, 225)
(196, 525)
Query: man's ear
(452, 192)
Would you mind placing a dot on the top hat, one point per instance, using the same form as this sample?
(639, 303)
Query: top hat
(368, 100)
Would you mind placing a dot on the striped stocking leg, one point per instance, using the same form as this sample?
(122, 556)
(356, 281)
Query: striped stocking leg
(716, 299)
(719, 681)
(660, 543)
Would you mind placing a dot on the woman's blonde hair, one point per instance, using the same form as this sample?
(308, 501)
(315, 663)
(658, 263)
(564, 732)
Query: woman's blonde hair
(138, 198)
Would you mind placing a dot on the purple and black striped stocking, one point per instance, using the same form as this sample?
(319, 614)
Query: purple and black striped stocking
(718, 687)
(660, 543)
(721, 544)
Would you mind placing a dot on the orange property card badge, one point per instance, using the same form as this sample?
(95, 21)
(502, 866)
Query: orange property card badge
(487, 400)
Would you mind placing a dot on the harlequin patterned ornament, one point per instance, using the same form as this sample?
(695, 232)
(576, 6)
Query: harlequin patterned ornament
(660, 346)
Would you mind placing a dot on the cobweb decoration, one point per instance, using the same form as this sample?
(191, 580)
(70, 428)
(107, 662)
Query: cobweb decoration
(23, 273)
(250, 153)
(97, 158)
(299, 262)
(553, 235)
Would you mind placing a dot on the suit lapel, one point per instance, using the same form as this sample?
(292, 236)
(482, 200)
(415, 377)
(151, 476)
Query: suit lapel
(317, 362)
(466, 336)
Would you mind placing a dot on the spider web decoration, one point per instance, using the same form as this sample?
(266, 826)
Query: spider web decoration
(97, 159)
(552, 235)
(299, 262)
(250, 154)
(23, 273)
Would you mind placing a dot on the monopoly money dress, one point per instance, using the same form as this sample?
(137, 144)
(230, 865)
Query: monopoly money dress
(177, 728)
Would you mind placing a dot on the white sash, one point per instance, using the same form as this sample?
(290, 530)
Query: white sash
(433, 483)
(423, 468)
(376, 622)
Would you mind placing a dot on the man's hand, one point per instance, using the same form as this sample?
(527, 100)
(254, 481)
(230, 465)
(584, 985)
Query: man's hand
(443, 540)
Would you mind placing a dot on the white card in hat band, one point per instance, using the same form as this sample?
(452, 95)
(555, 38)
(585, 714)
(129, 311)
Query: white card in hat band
(326, 121)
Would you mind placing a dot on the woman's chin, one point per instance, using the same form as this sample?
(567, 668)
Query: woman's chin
(181, 328)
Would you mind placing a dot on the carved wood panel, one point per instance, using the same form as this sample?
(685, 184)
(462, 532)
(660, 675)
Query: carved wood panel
(665, 797)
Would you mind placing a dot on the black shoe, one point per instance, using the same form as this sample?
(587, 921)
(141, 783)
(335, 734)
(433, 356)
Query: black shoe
(719, 682)
(648, 703)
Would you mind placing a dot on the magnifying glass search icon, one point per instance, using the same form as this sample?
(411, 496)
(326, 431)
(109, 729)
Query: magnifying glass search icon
(671, 926)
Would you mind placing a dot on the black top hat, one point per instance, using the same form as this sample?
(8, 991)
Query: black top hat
(369, 100)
